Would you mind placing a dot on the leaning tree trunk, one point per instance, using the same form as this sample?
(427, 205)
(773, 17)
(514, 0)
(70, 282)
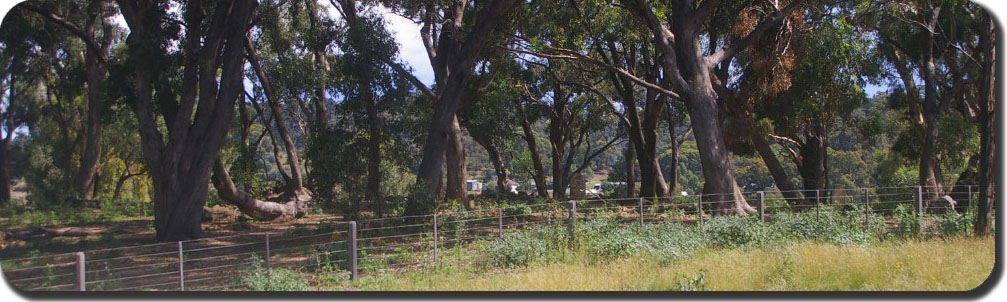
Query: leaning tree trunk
(248, 205)
(787, 188)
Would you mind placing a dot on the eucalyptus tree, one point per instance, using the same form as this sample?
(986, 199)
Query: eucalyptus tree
(688, 66)
(194, 107)
(491, 121)
(23, 41)
(454, 34)
(825, 85)
(94, 27)
(923, 41)
(576, 120)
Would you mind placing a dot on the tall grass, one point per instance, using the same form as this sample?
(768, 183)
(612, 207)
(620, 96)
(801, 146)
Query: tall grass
(799, 251)
(954, 264)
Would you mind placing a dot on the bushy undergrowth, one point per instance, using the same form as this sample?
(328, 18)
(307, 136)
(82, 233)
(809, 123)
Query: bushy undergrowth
(277, 279)
(516, 250)
(605, 239)
(828, 226)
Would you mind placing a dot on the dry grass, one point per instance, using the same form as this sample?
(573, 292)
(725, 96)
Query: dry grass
(954, 264)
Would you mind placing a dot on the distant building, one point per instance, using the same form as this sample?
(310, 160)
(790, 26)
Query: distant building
(473, 185)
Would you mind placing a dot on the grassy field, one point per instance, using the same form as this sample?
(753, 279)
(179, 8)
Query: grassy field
(956, 264)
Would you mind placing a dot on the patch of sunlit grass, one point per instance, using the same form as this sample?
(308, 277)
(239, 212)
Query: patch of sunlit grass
(953, 264)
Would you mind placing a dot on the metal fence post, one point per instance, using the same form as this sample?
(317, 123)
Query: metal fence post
(268, 266)
(641, 212)
(436, 237)
(818, 204)
(500, 221)
(181, 268)
(867, 209)
(572, 213)
(81, 284)
(919, 201)
(571, 219)
(353, 250)
(699, 210)
(761, 205)
(969, 207)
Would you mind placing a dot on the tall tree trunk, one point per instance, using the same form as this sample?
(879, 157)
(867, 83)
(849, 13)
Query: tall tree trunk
(95, 71)
(812, 168)
(719, 183)
(320, 101)
(930, 176)
(558, 175)
(630, 169)
(8, 118)
(374, 156)
(455, 160)
(988, 118)
(673, 182)
(86, 174)
(5, 180)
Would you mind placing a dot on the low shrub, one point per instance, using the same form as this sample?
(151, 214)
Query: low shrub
(516, 249)
(828, 226)
(953, 223)
(739, 231)
(278, 279)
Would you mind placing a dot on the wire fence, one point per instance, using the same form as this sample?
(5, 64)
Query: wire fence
(391, 244)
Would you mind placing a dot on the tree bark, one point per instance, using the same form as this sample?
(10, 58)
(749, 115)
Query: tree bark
(8, 118)
(630, 169)
(5, 180)
(812, 166)
(988, 117)
(454, 158)
(787, 188)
